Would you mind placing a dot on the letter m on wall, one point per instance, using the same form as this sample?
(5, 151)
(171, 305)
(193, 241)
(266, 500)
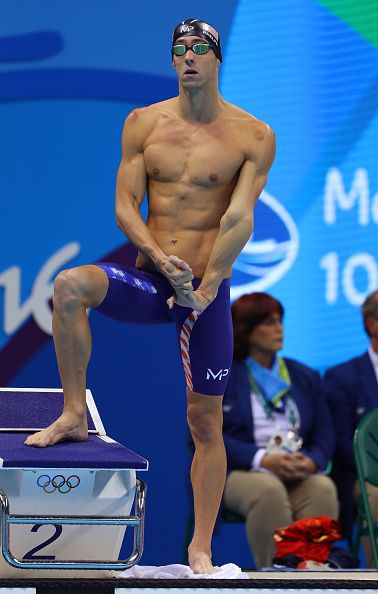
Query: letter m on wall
(335, 195)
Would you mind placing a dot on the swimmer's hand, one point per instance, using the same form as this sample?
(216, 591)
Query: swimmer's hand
(186, 297)
(177, 271)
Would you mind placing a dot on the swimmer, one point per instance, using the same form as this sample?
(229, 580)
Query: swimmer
(204, 163)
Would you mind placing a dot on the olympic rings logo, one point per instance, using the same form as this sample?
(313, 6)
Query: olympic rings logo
(58, 483)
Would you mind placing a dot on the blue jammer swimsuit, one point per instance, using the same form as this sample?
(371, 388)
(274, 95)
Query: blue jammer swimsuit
(205, 339)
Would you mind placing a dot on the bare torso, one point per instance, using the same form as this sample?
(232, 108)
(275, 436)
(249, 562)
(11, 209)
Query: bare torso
(192, 169)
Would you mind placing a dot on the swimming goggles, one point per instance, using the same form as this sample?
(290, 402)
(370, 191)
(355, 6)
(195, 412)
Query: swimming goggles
(198, 48)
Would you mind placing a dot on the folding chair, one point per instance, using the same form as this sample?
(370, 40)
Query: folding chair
(365, 447)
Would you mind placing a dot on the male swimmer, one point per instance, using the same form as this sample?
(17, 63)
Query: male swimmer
(203, 163)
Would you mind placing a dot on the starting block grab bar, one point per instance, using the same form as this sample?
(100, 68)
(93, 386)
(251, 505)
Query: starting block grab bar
(137, 522)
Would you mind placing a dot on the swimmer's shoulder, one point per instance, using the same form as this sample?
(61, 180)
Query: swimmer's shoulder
(139, 123)
(142, 120)
(255, 136)
(247, 122)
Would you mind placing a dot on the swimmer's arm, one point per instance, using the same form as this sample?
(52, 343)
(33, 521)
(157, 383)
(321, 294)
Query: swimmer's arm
(130, 190)
(236, 225)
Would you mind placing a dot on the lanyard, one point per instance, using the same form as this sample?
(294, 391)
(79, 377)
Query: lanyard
(291, 407)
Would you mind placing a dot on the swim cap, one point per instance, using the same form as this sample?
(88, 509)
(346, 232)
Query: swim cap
(199, 29)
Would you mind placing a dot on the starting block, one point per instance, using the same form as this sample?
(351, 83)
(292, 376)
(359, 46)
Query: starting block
(67, 506)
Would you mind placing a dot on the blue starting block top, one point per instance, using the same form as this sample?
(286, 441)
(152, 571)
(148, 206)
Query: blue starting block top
(33, 410)
(23, 411)
(93, 453)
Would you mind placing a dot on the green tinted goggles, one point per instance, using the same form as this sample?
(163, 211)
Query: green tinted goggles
(198, 48)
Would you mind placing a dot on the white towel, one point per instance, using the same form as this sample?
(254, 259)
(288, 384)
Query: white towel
(176, 571)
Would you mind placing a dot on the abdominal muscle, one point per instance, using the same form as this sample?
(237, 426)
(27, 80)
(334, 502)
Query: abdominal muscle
(193, 247)
(185, 231)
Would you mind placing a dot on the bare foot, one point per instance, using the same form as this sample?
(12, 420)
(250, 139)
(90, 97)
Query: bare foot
(200, 562)
(68, 427)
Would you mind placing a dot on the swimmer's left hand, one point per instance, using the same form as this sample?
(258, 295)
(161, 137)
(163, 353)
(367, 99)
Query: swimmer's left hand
(188, 298)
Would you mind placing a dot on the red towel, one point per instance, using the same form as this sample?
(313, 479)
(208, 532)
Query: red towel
(309, 538)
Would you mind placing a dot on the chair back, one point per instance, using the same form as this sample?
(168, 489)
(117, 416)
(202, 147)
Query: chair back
(365, 445)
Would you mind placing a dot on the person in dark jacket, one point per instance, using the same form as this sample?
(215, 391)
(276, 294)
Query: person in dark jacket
(277, 430)
(352, 391)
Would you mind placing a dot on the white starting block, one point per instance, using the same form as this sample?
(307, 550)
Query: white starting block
(64, 507)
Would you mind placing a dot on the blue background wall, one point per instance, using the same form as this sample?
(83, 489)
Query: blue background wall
(69, 74)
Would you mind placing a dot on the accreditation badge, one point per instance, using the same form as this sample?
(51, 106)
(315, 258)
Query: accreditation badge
(281, 442)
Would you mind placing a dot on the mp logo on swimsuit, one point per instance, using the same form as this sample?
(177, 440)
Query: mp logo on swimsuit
(270, 252)
(216, 374)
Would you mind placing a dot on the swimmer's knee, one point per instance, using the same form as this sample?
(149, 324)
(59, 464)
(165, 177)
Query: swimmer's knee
(79, 286)
(205, 426)
(67, 288)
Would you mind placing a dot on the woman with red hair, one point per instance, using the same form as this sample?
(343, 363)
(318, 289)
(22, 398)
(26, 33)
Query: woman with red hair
(277, 430)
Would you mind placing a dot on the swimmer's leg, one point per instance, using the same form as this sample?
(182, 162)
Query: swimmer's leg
(206, 347)
(208, 474)
(74, 291)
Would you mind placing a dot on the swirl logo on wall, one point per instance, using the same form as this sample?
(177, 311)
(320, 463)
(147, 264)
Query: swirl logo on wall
(270, 252)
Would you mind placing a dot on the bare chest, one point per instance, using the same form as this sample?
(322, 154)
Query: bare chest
(194, 156)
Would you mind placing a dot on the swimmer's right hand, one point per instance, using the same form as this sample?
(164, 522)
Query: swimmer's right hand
(196, 300)
(177, 271)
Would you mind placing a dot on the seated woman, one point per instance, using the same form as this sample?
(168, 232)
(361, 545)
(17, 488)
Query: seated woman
(277, 430)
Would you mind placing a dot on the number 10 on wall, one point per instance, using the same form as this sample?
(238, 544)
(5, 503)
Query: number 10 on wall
(342, 277)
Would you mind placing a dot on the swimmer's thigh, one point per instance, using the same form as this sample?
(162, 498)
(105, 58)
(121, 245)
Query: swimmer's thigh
(206, 348)
(134, 296)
